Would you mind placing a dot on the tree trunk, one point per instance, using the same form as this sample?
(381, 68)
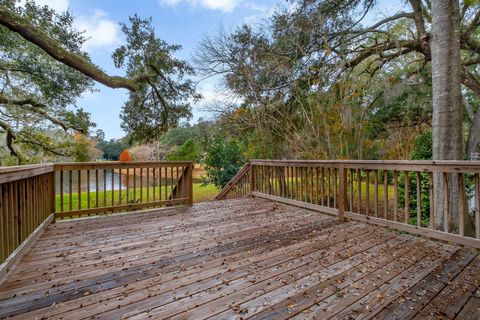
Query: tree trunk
(447, 102)
(473, 142)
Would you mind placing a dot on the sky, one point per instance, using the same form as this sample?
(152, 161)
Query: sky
(182, 22)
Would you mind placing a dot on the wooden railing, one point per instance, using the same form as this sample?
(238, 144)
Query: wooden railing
(397, 194)
(238, 187)
(26, 201)
(103, 187)
(33, 196)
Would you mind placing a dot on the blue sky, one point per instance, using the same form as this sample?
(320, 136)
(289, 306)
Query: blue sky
(182, 22)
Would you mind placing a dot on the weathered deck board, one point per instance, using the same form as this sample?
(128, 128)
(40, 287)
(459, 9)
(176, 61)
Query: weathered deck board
(246, 258)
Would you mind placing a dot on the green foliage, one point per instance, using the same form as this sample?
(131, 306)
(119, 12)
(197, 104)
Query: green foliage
(422, 146)
(162, 101)
(112, 148)
(48, 88)
(189, 151)
(224, 159)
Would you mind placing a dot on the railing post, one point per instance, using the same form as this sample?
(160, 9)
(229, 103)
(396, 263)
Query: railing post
(190, 184)
(252, 179)
(52, 193)
(342, 194)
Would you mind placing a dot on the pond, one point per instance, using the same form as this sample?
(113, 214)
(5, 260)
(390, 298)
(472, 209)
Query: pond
(111, 180)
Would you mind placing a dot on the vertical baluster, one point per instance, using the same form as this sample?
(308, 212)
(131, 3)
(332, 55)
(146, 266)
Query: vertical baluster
(335, 204)
(88, 188)
(477, 205)
(316, 185)
(328, 187)
(177, 185)
(351, 190)
(70, 191)
(461, 204)
(407, 197)
(154, 181)
(134, 185)
(104, 187)
(385, 194)
(359, 187)
(61, 189)
(96, 188)
(323, 186)
(166, 182)
(120, 196)
(113, 186)
(148, 185)
(395, 195)
(375, 194)
(141, 185)
(79, 189)
(3, 252)
(446, 210)
(171, 182)
(367, 194)
(154, 170)
(296, 184)
(127, 186)
(419, 200)
(432, 202)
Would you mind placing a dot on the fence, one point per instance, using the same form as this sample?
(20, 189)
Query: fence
(32, 196)
(26, 201)
(397, 194)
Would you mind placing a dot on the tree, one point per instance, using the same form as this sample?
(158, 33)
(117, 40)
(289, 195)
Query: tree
(125, 156)
(189, 151)
(162, 101)
(159, 94)
(36, 90)
(224, 159)
(112, 148)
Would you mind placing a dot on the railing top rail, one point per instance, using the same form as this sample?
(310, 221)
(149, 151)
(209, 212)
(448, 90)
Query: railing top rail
(15, 173)
(118, 164)
(25, 167)
(233, 181)
(405, 165)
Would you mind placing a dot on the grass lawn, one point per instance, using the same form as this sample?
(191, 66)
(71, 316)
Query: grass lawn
(200, 194)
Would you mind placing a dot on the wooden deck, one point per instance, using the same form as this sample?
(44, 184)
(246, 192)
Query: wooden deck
(238, 259)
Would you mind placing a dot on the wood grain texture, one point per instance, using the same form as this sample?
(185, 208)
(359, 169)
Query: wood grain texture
(232, 259)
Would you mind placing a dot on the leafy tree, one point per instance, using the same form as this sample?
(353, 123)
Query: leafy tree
(422, 146)
(112, 148)
(36, 89)
(189, 151)
(224, 159)
(125, 156)
(163, 100)
(85, 148)
(159, 91)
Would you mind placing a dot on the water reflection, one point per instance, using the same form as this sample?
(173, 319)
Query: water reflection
(111, 181)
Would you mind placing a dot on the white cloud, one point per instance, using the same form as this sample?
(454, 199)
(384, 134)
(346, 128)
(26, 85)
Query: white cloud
(221, 5)
(57, 5)
(99, 29)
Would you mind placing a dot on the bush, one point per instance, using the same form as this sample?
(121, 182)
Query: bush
(224, 159)
(189, 151)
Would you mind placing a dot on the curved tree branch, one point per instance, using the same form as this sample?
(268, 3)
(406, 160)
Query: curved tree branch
(53, 48)
(38, 108)
(9, 140)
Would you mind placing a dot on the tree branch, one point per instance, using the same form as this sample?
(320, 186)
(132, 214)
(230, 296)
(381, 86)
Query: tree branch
(38, 108)
(53, 48)
(9, 140)
(418, 17)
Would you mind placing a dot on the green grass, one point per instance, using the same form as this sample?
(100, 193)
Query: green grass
(200, 194)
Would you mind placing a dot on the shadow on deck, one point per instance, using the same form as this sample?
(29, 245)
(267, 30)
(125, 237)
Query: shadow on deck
(239, 259)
